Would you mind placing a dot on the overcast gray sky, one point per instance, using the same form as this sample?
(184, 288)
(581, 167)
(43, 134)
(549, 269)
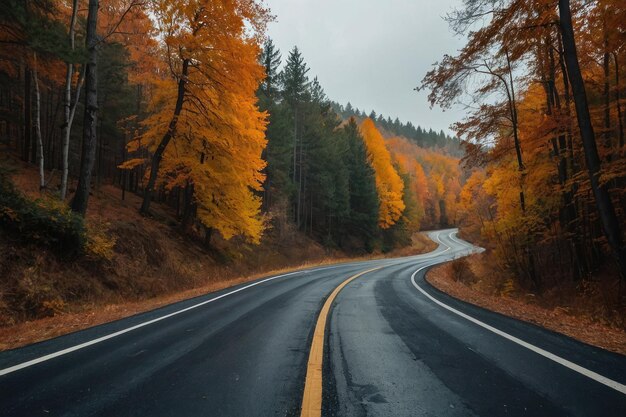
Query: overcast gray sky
(371, 53)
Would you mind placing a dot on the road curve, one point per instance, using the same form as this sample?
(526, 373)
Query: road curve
(394, 346)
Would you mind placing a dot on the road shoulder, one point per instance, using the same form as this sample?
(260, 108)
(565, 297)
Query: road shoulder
(578, 327)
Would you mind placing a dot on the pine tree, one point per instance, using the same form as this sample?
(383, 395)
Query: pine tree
(362, 221)
(349, 110)
(270, 59)
(296, 92)
(295, 81)
(317, 93)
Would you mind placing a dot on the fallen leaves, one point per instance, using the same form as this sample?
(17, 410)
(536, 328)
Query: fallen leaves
(560, 319)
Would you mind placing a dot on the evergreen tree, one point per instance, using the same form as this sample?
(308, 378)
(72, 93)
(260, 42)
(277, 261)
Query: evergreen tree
(317, 93)
(278, 150)
(362, 219)
(295, 81)
(270, 59)
(325, 185)
(349, 110)
(296, 92)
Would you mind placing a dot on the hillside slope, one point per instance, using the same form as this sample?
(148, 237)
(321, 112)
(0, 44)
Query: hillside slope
(138, 264)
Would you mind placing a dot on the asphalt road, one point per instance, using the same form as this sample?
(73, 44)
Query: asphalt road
(394, 346)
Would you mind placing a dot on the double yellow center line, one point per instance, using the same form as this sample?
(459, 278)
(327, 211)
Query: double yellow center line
(312, 399)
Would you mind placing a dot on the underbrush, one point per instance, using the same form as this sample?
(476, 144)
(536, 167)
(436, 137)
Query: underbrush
(116, 257)
(43, 222)
(52, 263)
(598, 298)
(462, 272)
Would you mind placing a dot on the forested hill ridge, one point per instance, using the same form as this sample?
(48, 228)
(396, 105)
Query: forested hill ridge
(423, 137)
(347, 180)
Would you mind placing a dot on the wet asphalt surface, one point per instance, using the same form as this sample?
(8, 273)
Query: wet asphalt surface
(389, 351)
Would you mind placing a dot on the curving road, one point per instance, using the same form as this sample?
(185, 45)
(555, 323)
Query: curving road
(393, 346)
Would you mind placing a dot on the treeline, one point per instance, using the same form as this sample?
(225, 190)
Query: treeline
(338, 179)
(434, 183)
(157, 97)
(318, 178)
(185, 103)
(547, 140)
(394, 127)
(43, 72)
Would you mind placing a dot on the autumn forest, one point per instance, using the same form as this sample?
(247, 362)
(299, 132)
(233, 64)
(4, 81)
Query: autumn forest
(191, 110)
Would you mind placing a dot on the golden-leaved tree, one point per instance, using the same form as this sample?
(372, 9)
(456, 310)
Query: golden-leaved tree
(549, 130)
(388, 183)
(205, 131)
(435, 181)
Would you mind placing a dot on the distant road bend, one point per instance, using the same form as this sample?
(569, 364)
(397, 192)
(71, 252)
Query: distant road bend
(353, 339)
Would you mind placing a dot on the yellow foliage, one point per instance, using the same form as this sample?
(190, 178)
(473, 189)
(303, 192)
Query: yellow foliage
(220, 133)
(434, 178)
(99, 243)
(388, 183)
(131, 163)
(51, 308)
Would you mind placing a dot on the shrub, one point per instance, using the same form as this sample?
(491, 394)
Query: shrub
(41, 222)
(462, 272)
(100, 244)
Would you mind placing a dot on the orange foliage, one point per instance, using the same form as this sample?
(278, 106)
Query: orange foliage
(388, 183)
(220, 134)
(127, 22)
(435, 181)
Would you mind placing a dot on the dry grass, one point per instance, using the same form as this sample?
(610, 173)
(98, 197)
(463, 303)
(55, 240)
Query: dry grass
(573, 312)
(93, 314)
(420, 243)
(89, 315)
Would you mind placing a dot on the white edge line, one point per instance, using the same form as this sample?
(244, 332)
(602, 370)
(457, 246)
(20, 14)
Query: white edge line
(53, 355)
(455, 239)
(62, 352)
(568, 364)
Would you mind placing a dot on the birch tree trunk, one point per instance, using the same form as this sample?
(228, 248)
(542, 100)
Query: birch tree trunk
(69, 110)
(40, 154)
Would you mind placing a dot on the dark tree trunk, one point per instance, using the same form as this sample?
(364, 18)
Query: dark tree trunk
(607, 94)
(608, 218)
(171, 131)
(189, 209)
(27, 115)
(88, 156)
(567, 212)
(208, 234)
(510, 90)
(620, 124)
